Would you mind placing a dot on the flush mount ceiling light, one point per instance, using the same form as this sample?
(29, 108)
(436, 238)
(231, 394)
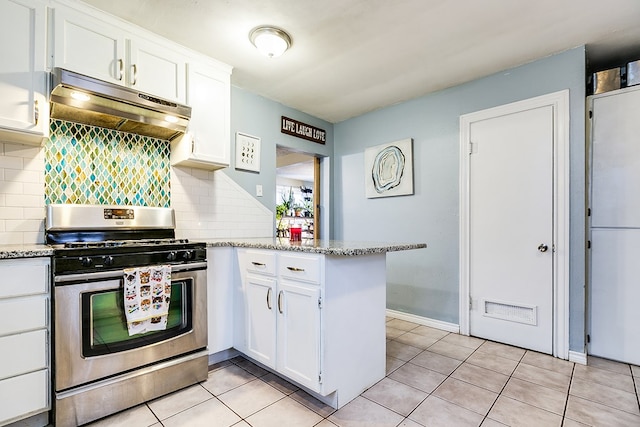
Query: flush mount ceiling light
(270, 41)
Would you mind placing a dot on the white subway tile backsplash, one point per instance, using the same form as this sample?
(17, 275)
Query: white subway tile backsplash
(210, 205)
(24, 200)
(19, 150)
(23, 225)
(23, 176)
(21, 194)
(13, 238)
(11, 162)
(11, 187)
(11, 212)
(34, 213)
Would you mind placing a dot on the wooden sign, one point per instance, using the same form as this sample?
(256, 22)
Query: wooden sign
(302, 130)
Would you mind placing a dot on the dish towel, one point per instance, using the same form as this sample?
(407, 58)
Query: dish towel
(147, 294)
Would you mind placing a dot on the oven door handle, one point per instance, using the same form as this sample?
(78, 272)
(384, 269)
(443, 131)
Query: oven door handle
(119, 273)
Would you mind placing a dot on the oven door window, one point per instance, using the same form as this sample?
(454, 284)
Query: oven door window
(104, 326)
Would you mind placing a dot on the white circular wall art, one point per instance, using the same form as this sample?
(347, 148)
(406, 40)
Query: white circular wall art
(389, 169)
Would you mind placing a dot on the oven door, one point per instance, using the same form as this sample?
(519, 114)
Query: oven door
(91, 337)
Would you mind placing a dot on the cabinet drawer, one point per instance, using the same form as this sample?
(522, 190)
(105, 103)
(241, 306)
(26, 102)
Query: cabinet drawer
(23, 314)
(300, 267)
(23, 353)
(260, 262)
(24, 277)
(24, 395)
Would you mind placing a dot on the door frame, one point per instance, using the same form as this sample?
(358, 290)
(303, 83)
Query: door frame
(561, 162)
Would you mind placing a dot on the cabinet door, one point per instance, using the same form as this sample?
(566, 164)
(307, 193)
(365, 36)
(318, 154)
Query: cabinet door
(299, 333)
(206, 144)
(157, 70)
(261, 319)
(615, 164)
(88, 46)
(22, 69)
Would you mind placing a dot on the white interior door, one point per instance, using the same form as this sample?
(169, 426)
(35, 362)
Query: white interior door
(511, 170)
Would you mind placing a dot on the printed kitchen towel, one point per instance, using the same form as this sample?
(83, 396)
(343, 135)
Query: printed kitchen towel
(147, 294)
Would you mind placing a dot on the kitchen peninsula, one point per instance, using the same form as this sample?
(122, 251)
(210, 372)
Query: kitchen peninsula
(311, 311)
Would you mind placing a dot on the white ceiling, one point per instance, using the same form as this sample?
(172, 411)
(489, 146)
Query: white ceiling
(353, 56)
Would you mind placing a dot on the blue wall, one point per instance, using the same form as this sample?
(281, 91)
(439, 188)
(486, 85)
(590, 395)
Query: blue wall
(425, 282)
(259, 116)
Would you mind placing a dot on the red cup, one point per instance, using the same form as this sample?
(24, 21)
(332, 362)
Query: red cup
(295, 234)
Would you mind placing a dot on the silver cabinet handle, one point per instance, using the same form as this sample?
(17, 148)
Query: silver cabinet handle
(295, 269)
(543, 247)
(120, 69)
(269, 298)
(280, 302)
(258, 264)
(135, 74)
(36, 112)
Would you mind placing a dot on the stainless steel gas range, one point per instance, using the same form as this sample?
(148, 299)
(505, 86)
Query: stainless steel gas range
(101, 364)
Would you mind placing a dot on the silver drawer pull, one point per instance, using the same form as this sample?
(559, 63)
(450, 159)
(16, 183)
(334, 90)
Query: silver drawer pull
(295, 269)
(258, 264)
(269, 298)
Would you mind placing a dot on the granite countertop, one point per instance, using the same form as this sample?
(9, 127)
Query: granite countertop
(25, 251)
(326, 247)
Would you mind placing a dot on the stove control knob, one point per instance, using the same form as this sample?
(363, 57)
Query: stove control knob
(172, 256)
(86, 261)
(187, 255)
(108, 261)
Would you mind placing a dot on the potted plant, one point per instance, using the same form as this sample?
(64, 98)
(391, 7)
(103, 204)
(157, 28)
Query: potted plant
(284, 209)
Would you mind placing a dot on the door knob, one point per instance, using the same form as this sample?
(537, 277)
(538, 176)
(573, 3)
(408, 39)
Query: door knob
(543, 247)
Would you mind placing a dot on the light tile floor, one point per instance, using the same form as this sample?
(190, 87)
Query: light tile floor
(434, 378)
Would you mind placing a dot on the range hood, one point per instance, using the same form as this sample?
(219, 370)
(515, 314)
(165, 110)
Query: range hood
(82, 99)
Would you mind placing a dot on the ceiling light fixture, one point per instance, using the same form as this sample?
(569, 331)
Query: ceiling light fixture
(270, 41)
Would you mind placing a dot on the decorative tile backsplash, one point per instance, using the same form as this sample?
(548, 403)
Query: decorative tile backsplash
(91, 165)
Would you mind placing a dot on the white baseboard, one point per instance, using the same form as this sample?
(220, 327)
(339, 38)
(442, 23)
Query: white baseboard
(438, 324)
(223, 355)
(576, 357)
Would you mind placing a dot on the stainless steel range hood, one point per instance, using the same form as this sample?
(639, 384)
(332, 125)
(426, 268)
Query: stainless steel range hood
(82, 99)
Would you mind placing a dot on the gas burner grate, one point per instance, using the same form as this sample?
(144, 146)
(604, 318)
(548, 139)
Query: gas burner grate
(118, 243)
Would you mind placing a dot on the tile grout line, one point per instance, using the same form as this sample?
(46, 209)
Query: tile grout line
(503, 387)
(566, 402)
(486, 416)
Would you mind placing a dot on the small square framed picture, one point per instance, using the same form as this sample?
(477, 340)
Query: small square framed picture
(247, 152)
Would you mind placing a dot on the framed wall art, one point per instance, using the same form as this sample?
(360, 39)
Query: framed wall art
(388, 169)
(247, 152)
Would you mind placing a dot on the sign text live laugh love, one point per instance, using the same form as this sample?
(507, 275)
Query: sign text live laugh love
(302, 130)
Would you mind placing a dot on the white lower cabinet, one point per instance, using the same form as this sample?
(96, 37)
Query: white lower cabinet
(24, 339)
(298, 333)
(283, 323)
(261, 319)
(317, 320)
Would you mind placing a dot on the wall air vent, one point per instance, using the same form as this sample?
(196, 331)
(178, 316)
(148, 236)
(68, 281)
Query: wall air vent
(513, 312)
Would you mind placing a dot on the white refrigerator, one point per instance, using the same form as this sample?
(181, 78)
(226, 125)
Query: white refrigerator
(614, 225)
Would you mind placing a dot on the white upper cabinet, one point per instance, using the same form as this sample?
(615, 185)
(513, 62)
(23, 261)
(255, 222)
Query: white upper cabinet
(23, 79)
(86, 45)
(154, 69)
(100, 48)
(207, 141)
